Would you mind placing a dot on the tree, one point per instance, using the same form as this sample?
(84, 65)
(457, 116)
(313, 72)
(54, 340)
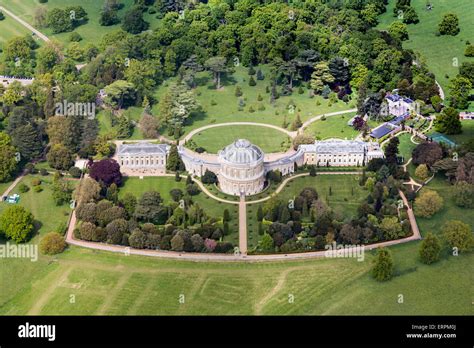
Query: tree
(464, 194)
(137, 239)
(129, 202)
(149, 208)
(8, 158)
(302, 138)
(449, 25)
(16, 223)
(391, 151)
(422, 172)
(217, 65)
(106, 171)
(469, 52)
(391, 228)
(209, 178)
(458, 235)
(178, 104)
(427, 153)
(398, 30)
(382, 268)
(174, 162)
(266, 243)
(61, 191)
(429, 249)
(321, 76)
(133, 21)
(120, 93)
(115, 231)
(428, 203)
(108, 15)
(52, 243)
(149, 126)
(60, 157)
(448, 121)
(467, 70)
(59, 20)
(460, 88)
(87, 191)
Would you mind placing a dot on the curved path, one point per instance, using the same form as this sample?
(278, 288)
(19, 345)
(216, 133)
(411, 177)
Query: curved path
(25, 24)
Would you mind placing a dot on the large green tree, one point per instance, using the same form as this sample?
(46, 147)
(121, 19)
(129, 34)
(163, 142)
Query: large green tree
(448, 121)
(16, 223)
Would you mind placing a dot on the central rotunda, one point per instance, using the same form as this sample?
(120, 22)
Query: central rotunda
(241, 168)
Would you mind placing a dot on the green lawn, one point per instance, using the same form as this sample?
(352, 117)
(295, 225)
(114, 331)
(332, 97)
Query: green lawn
(406, 146)
(440, 52)
(92, 31)
(114, 284)
(333, 127)
(268, 139)
(10, 28)
(226, 108)
(47, 214)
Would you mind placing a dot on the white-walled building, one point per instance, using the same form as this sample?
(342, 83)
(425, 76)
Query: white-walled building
(337, 153)
(143, 156)
(241, 167)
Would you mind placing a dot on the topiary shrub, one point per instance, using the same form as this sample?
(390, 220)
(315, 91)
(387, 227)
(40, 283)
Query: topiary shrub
(23, 188)
(37, 189)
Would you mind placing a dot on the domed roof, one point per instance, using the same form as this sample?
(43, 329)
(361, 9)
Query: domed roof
(240, 152)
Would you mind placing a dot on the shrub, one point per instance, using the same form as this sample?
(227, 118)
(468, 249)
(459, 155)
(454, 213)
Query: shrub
(23, 188)
(192, 189)
(75, 172)
(429, 249)
(87, 231)
(75, 37)
(382, 268)
(52, 243)
(458, 235)
(43, 172)
(422, 172)
(251, 109)
(35, 182)
(469, 52)
(37, 189)
(428, 203)
(252, 81)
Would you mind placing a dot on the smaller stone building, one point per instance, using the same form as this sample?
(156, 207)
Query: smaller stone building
(143, 155)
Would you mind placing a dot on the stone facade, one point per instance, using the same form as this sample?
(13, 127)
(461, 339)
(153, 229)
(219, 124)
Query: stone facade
(143, 156)
(341, 153)
(241, 167)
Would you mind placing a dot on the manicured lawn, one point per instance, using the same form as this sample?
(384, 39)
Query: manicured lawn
(4, 186)
(439, 52)
(268, 139)
(333, 127)
(112, 284)
(47, 214)
(92, 31)
(406, 146)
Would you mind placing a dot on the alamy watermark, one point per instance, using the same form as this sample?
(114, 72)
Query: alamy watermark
(335, 250)
(75, 109)
(25, 251)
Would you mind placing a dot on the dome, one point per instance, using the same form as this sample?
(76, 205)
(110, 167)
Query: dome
(240, 152)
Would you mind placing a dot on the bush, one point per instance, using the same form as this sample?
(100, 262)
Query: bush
(43, 172)
(192, 189)
(2, 16)
(75, 37)
(458, 235)
(428, 203)
(37, 189)
(23, 188)
(75, 172)
(382, 265)
(422, 172)
(430, 249)
(469, 52)
(52, 243)
(252, 81)
(35, 182)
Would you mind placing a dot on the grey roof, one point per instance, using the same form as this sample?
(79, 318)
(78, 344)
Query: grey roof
(336, 146)
(143, 149)
(240, 152)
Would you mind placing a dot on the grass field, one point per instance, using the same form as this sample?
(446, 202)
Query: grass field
(10, 28)
(113, 284)
(406, 146)
(332, 127)
(92, 31)
(268, 139)
(440, 52)
(47, 214)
